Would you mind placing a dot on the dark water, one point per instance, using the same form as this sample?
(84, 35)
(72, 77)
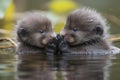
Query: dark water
(73, 67)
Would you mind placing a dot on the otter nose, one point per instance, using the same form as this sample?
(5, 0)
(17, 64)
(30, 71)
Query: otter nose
(67, 36)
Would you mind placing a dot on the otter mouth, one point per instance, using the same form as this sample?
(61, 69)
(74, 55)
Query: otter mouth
(74, 43)
(45, 41)
(70, 39)
(42, 45)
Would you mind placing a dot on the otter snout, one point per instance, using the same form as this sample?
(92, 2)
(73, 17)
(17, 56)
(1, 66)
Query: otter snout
(47, 39)
(69, 38)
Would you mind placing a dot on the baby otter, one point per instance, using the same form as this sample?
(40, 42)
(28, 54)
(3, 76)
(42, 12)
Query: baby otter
(87, 28)
(34, 35)
(34, 31)
(85, 35)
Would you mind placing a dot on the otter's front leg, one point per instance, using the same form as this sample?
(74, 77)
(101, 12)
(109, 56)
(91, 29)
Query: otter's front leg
(63, 46)
(51, 50)
(65, 51)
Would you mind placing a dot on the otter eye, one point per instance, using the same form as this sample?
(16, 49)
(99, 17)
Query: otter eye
(22, 32)
(98, 30)
(75, 29)
(41, 31)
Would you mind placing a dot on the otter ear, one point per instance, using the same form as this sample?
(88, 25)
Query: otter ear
(22, 32)
(98, 30)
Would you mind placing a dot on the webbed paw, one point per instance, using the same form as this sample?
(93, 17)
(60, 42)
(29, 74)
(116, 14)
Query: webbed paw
(51, 47)
(63, 46)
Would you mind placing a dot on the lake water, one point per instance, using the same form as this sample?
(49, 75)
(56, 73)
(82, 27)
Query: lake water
(94, 67)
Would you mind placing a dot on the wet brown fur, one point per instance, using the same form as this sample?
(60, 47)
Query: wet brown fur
(33, 41)
(86, 20)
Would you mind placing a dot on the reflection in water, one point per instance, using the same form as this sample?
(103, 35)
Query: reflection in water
(86, 69)
(33, 67)
(6, 64)
(72, 67)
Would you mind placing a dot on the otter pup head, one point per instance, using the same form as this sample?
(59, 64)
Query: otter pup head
(83, 25)
(34, 29)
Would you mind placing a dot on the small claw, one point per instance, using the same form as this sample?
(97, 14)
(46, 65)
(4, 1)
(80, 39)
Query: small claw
(59, 37)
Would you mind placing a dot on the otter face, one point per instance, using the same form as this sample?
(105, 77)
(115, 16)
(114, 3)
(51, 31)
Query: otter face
(83, 25)
(34, 29)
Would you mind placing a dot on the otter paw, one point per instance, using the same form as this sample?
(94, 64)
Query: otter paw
(59, 38)
(63, 46)
(51, 47)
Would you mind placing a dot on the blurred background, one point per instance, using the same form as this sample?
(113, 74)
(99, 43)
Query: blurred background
(57, 11)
